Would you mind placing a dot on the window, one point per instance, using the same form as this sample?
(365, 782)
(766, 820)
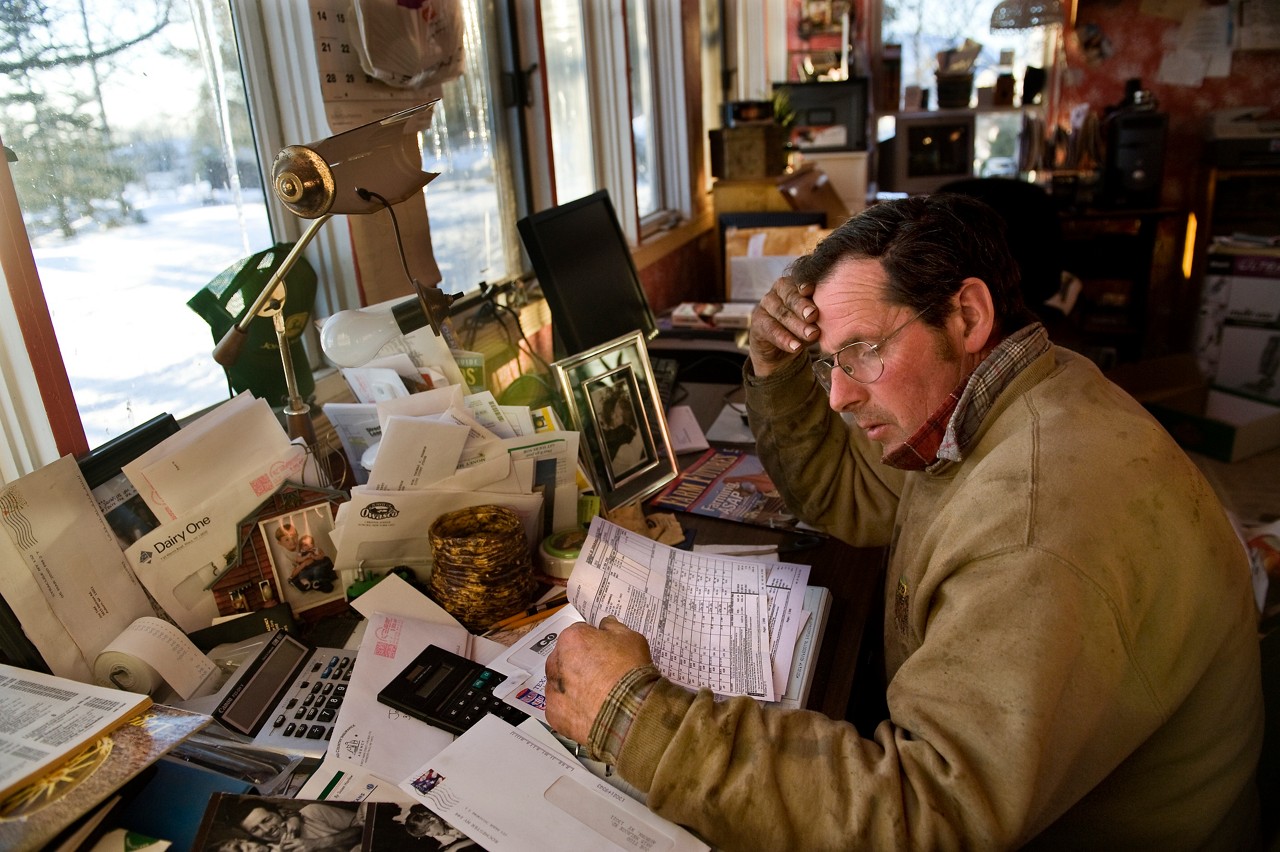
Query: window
(139, 180)
(643, 112)
(138, 183)
(568, 99)
(472, 204)
(924, 28)
(615, 108)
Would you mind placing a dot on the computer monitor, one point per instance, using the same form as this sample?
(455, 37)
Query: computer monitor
(584, 266)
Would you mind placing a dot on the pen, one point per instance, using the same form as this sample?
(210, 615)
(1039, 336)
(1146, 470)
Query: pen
(535, 610)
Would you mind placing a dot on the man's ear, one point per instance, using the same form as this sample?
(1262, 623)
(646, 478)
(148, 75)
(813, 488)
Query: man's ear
(976, 315)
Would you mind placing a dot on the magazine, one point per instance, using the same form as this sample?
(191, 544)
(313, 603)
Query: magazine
(727, 483)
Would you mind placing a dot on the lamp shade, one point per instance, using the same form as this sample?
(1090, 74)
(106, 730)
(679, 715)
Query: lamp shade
(329, 176)
(1025, 14)
(353, 338)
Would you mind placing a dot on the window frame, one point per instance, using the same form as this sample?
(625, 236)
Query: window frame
(608, 66)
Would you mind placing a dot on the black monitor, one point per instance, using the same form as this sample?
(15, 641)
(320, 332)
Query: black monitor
(584, 266)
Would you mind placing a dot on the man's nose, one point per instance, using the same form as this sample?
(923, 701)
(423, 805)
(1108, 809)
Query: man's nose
(846, 394)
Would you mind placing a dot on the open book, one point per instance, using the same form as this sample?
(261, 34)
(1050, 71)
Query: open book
(47, 720)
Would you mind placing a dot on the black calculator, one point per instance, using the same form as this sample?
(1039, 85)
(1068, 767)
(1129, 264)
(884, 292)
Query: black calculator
(448, 691)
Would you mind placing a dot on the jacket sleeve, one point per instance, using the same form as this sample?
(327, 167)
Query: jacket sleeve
(828, 473)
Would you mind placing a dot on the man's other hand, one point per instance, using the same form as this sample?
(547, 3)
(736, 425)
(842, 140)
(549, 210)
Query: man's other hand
(782, 325)
(583, 667)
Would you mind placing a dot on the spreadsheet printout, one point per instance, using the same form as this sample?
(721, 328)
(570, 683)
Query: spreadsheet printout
(705, 615)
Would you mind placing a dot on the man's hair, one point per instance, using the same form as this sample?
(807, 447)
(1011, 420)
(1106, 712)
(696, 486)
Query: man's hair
(285, 528)
(927, 245)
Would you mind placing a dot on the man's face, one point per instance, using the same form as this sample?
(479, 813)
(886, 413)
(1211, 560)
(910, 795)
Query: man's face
(921, 365)
(289, 540)
(264, 823)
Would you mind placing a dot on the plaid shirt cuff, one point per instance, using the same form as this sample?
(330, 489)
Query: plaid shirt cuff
(609, 731)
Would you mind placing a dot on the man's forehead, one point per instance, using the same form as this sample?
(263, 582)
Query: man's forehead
(852, 302)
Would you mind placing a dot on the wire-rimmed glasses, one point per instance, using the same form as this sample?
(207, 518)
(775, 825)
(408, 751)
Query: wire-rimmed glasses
(861, 359)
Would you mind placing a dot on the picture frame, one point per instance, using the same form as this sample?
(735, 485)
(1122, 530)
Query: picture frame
(124, 509)
(299, 545)
(611, 398)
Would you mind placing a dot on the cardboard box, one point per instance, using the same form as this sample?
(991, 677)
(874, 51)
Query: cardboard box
(1241, 286)
(753, 151)
(756, 257)
(1214, 423)
(1249, 362)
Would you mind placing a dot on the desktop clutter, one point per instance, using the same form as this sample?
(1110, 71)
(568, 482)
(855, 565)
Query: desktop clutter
(214, 630)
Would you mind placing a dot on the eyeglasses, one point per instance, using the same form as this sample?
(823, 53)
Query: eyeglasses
(861, 360)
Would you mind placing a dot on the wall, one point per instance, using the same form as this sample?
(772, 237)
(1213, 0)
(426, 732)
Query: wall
(1137, 42)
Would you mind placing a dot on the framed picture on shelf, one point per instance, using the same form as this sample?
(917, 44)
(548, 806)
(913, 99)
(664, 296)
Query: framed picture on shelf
(612, 400)
(300, 547)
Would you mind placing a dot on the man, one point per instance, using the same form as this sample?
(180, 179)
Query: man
(1069, 634)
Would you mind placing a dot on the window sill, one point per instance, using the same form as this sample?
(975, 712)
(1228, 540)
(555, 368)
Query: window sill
(660, 245)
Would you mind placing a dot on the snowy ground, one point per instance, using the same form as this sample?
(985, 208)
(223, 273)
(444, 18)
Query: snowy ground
(132, 347)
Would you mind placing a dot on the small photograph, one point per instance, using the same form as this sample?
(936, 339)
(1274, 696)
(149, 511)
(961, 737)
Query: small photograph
(245, 823)
(416, 827)
(627, 447)
(301, 550)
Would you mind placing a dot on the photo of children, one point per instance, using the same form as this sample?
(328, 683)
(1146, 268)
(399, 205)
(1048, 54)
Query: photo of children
(302, 555)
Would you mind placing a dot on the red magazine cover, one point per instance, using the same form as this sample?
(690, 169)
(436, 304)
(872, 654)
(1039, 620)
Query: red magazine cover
(727, 483)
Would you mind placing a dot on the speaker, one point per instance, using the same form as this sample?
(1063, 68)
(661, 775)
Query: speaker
(1134, 166)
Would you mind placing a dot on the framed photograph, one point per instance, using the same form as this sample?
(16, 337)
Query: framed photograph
(300, 548)
(612, 400)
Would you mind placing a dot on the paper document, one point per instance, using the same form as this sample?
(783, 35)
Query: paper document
(705, 615)
(62, 570)
(508, 791)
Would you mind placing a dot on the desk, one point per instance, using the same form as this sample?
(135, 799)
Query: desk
(852, 574)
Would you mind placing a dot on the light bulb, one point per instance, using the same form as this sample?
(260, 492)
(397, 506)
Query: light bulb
(353, 338)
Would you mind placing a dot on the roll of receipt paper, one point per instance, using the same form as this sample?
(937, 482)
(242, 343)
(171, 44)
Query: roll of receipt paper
(149, 654)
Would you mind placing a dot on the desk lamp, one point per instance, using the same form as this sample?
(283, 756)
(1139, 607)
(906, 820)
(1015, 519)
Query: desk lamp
(359, 171)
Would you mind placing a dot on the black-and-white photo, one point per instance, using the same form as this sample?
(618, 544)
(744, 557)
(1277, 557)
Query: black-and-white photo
(624, 439)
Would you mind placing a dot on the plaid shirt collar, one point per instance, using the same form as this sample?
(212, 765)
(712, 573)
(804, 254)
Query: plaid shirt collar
(949, 431)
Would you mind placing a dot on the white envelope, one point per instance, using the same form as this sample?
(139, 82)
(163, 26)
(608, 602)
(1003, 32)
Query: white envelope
(236, 451)
(192, 433)
(416, 452)
(62, 570)
(383, 529)
(376, 737)
(510, 791)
